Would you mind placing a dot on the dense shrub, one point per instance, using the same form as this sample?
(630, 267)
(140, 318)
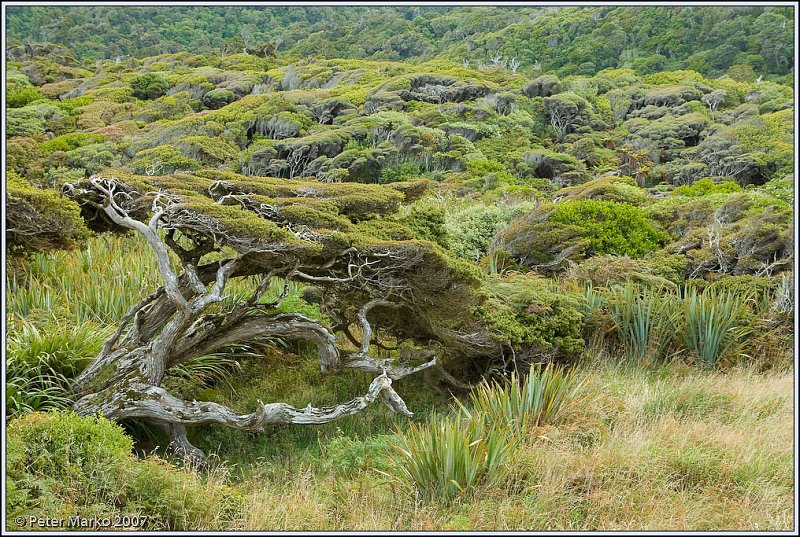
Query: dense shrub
(607, 270)
(620, 189)
(428, 223)
(218, 98)
(610, 228)
(162, 160)
(533, 316)
(705, 187)
(19, 91)
(66, 465)
(149, 86)
(40, 219)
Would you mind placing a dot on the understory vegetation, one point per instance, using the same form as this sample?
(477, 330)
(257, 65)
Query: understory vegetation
(569, 276)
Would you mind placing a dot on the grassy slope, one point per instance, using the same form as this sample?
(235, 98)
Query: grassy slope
(666, 448)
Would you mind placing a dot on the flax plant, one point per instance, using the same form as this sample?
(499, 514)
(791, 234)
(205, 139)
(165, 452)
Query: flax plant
(643, 320)
(713, 324)
(449, 456)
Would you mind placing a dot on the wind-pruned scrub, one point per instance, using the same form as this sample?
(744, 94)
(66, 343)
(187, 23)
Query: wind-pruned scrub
(513, 280)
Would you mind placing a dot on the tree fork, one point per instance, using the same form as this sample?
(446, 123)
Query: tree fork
(169, 328)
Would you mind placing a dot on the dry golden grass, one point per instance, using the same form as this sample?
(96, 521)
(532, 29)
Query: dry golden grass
(668, 449)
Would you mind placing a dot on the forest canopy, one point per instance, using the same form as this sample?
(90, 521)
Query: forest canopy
(566, 40)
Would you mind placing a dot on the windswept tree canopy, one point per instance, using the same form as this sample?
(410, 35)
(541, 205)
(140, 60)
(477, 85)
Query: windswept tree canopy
(221, 226)
(333, 235)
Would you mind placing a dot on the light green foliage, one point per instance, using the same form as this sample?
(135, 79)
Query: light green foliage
(772, 134)
(608, 270)
(207, 149)
(674, 77)
(24, 156)
(68, 142)
(19, 91)
(428, 222)
(472, 228)
(345, 455)
(93, 157)
(705, 187)
(94, 285)
(168, 107)
(610, 228)
(162, 160)
(401, 172)
(780, 189)
(35, 120)
(218, 98)
(57, 176)
(754, 230)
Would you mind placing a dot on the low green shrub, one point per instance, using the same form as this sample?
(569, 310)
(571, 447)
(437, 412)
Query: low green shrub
(525, 311)
(611, 228)
(705, 187)
(149, 86)
(68, 465)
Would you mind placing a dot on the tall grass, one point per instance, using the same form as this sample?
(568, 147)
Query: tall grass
(98, 284)
(713, 324)
(643, 320)
(40, 363)
(63, 305)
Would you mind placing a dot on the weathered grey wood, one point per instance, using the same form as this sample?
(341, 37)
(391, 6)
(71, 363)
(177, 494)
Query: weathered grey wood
(172, 326)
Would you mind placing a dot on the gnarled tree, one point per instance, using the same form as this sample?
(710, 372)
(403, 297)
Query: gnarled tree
(222, 226)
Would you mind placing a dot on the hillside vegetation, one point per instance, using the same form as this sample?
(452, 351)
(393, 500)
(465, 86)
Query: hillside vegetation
(588, 219)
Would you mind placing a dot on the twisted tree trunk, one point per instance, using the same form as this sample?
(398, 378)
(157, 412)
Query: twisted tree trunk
(171, 327)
